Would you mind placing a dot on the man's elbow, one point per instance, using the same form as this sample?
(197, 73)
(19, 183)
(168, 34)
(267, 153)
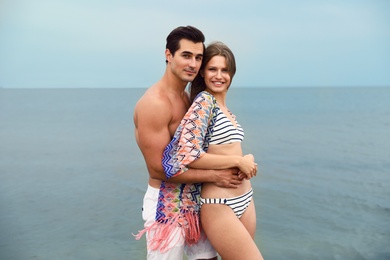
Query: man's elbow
(157, 175)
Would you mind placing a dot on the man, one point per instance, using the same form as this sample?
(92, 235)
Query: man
(156, 117)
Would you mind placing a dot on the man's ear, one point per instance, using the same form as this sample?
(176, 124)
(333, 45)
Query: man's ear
(168, 55)
(202, 73)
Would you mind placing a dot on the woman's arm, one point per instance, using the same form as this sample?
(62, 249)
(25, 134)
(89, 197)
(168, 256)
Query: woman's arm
(246, 163)
(188, 145)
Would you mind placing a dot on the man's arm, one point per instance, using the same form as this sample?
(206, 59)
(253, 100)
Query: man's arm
(228, 178)
(152, 118)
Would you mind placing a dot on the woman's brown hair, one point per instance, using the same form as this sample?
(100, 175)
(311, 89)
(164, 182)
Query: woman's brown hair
(213, 49)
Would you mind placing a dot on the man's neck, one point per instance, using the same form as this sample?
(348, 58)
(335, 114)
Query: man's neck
(173, 83)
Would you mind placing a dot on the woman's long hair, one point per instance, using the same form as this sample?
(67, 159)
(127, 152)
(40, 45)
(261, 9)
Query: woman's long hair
(214, 49)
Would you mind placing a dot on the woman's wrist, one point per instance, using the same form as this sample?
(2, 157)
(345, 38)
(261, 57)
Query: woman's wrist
(239, 160)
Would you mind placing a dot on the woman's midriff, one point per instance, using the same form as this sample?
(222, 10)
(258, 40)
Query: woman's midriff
(210, 190)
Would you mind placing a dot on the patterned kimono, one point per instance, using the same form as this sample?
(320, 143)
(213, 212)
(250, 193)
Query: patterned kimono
(178, 204)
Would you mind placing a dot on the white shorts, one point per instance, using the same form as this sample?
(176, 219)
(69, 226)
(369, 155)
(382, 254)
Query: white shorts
(202, 250)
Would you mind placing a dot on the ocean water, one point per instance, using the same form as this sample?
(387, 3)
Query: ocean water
(72, 178)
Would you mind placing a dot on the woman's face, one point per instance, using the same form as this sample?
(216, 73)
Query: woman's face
(216, 75)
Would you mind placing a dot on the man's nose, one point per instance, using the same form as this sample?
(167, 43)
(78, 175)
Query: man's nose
(193, 63)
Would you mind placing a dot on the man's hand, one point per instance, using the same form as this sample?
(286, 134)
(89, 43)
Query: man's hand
(228, 178)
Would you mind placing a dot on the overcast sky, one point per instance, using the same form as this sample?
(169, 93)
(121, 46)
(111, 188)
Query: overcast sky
(120, 44)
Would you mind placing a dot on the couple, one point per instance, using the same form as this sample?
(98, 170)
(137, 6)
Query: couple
(199, 197)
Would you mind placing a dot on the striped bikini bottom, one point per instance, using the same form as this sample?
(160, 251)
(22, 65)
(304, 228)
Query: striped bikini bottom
(237, 204)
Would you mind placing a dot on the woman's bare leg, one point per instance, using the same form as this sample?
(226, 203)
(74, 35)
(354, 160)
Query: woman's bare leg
(227, 233)
(248, 219)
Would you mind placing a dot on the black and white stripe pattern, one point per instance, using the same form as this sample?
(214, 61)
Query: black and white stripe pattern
(237, 204)
(224, 131)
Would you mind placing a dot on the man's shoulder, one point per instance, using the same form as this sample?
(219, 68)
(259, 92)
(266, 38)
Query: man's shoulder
(154, 101)
(154, 95)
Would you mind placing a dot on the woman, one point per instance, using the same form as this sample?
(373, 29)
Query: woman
(209, 137)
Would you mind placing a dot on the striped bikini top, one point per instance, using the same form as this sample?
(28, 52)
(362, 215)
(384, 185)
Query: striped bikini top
(224, 131)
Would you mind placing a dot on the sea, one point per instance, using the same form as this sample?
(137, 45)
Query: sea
(72, 178)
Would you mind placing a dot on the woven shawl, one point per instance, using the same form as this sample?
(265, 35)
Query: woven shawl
(178, 203)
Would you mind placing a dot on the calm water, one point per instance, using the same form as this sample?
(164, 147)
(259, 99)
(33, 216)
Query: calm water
(72, 178)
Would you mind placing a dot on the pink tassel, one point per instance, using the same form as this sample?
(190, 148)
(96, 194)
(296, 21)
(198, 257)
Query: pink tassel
(192, 230)
(163, 233)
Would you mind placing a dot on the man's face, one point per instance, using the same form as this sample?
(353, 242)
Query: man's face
(187, 60)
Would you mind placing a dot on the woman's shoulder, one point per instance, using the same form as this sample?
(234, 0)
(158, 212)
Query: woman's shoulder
(205, 95)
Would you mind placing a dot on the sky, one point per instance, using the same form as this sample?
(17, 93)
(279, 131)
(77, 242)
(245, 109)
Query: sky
(121, 44)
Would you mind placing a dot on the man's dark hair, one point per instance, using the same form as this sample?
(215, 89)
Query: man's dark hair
(183, 32)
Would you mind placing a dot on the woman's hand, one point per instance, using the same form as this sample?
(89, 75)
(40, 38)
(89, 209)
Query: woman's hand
(247, 167)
